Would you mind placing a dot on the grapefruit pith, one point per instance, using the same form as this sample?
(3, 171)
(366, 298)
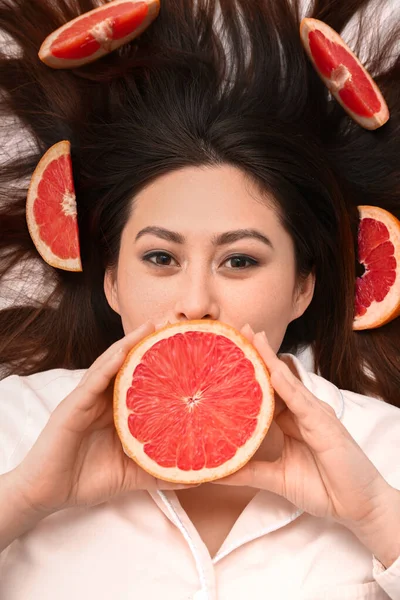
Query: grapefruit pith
(51, 209)
(343, 74)
(193, 402)
(97, 32)
(378, 289)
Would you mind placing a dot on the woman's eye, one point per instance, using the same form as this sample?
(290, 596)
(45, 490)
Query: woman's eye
(162, 259)
(239, 262)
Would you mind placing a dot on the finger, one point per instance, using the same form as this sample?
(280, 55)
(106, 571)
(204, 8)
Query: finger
(247, 332)
(258, 474)
(98, 376)
(310, 412)
(127, 342)
(280, 406)
(161, 324)
(137, 478)
(292, 391)
(169, 485)
(287, 424)
(316, 423)
(270, 358)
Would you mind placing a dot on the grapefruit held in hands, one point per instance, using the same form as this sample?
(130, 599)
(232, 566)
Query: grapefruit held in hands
(378, 288)
(193, 402)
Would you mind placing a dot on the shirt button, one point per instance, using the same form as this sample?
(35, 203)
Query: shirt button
(200, 595)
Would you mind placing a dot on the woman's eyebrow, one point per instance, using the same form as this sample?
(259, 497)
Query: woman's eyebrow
(221, 239)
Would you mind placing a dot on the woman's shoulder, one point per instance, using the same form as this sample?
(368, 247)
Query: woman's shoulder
(26, 403)
(375, 425)
(345, 402)
(48, 387)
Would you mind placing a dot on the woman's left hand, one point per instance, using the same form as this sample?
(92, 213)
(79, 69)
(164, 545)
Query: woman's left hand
(321, 470)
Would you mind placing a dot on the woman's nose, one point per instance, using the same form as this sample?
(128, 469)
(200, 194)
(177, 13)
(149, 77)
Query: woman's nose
(197, 300)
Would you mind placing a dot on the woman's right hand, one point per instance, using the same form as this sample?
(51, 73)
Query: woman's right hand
(78, 459)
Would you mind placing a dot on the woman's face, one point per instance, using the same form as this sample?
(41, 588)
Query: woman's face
(201, 243)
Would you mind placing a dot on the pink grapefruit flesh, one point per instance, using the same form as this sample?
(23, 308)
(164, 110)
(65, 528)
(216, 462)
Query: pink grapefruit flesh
(378, 289)
(51, 209)
(193, 402)
(97, 32)
(343, 74)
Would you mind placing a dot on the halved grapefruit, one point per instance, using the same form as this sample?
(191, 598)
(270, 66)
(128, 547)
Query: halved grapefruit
(378, 289)
(97, 33)
(193, 402)
(51, 209)
(343, 74)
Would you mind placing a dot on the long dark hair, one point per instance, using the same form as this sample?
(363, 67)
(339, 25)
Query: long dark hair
(207, 83)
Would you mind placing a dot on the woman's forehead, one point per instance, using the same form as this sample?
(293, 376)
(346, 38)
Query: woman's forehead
(221, 197)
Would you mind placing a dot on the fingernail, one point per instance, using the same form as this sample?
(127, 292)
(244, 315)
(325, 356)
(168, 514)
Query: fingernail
(260, 335)
(284, 377)
(142, 328)
(247, 329)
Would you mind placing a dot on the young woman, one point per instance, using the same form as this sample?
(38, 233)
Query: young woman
(215, 179)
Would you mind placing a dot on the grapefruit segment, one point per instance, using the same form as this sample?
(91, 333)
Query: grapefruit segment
(193, 402)
(51, 209)
(343, 74)
(97, 32)
(377, 298)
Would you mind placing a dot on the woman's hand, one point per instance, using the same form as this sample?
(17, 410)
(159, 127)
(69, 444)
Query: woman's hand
(78, 458)
(321, 470)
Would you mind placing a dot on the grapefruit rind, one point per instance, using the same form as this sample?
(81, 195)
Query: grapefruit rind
(380, 313)
(74, 264)
(134, 449)
(308, 25)
(46, 56)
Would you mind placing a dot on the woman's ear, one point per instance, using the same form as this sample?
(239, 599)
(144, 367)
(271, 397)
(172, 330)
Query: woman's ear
(111, 290)
(303, 295)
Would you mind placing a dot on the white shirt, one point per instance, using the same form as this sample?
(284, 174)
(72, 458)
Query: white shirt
(144, 546)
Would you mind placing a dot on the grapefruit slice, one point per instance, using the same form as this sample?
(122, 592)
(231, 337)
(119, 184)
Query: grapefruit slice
(51, 209)
(193, 402)
(343, 74)
(97, 33)
(378, 289)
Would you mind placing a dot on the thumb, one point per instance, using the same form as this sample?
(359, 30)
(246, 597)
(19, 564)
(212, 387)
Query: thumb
(136, 478)
(258, 474)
